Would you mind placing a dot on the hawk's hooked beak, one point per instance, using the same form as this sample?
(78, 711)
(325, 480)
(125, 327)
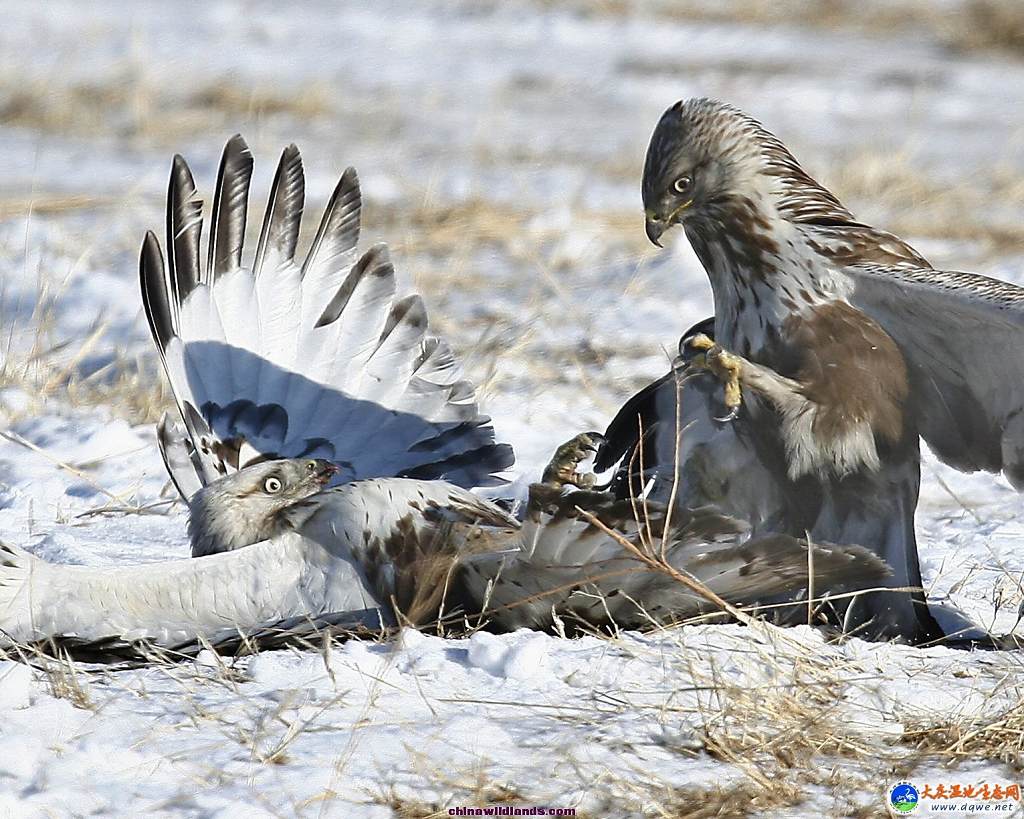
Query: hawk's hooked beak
(656, 225)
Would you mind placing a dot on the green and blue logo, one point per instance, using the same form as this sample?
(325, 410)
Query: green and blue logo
(903, 798)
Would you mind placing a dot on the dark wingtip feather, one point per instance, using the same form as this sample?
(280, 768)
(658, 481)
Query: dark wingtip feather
(623, 432)
(155, 298)
(280, 229)
(375, 262)
(350, 205)
(339, 228)
(408, 311)
(230, 206)
(474, 467)
(184, 227)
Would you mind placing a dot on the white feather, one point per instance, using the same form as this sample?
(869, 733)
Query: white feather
(249, 346)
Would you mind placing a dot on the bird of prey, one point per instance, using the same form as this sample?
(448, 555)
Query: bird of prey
(842, 342)
(386, 551)
(326, 450)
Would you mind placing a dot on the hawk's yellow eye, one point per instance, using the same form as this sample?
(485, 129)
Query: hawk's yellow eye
(682, 184)
(272, 485)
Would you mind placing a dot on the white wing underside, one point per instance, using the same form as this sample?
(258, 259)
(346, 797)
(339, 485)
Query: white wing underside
(167, 602)
(313, 357)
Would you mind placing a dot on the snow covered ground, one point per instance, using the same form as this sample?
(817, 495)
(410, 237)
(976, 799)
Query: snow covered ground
(500, 148)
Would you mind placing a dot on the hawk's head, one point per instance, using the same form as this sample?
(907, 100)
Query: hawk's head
(252, 504)
(709, 164)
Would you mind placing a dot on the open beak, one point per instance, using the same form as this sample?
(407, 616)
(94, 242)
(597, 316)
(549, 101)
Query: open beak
(325, 471)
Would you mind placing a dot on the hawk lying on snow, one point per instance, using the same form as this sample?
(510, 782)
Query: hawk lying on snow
(292, 376)
(375, 552)
(848, 347)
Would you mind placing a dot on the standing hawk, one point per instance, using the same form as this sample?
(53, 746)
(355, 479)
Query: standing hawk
(326, 448)
(847, 345)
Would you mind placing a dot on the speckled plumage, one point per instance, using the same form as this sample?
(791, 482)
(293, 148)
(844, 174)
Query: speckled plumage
(854, 344)
(777, 245)
(390, 551)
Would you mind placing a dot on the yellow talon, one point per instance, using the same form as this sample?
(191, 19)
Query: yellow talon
(727, 367)
(723, 364)
(733, 395)
(701, 342)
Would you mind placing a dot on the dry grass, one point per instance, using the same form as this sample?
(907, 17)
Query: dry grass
(447, 230)
(132, 387)
(736, 801)
(972, 25)
(64, 678)
(999, 736)
(988, 25)
(790, 736)
(903, 198)
(886, 188)
(66, 682)
(129, 105)
(781, 741)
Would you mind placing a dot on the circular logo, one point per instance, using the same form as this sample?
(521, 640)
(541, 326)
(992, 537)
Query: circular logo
(903, 798)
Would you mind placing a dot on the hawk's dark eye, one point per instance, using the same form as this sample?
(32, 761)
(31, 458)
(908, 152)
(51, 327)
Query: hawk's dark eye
(311, 466)
(272, 485)
(682, 184)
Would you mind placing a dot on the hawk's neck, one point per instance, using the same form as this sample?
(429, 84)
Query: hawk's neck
(766, 269)
(761, 276)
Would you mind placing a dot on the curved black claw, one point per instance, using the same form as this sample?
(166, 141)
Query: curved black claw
(730, 416)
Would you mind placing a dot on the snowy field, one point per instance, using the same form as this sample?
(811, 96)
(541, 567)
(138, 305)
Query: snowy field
(500, 148)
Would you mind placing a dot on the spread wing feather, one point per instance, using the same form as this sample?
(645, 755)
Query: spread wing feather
(286, 358)
(279, 236)
(334, 248)
(164, 602)
(227, 227)
(963, 337)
